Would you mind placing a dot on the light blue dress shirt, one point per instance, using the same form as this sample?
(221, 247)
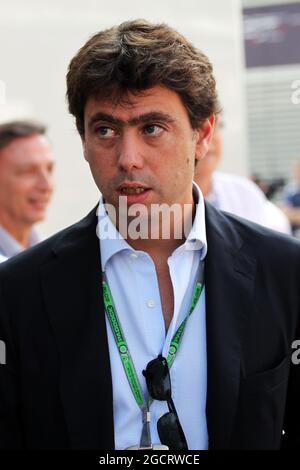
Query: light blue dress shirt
(9, 246)
(133, 282)
(2, 258)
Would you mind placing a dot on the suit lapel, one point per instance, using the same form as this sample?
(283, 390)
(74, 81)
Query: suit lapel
(229, 276)
(71, 285)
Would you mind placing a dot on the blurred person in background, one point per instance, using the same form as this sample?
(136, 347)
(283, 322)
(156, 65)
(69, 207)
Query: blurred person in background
(233, 193)
(291, 201)
(271, 187)
(26, 184)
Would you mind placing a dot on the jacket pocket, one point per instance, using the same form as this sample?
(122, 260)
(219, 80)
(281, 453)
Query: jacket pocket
(268, 379)
(262, 399)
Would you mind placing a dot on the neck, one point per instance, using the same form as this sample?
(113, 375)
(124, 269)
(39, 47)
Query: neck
(157, 249)
(204, 183)
(21, 232)
(161, 239)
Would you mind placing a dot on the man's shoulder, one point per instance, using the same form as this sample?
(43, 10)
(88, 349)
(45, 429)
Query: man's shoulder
(258, 240)
(30, 260)
(238, 183)
(263, 241)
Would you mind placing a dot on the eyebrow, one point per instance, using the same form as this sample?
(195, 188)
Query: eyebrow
(143, 118)
(25, 165)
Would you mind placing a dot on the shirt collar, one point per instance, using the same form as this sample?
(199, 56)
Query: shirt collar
(196, 239)
(10, 247)
(2, 258)
(113, 242)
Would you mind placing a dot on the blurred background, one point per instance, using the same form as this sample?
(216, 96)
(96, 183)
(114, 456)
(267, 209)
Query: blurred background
(254, 48)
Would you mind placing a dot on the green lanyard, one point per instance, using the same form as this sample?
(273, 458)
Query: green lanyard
(122, 346)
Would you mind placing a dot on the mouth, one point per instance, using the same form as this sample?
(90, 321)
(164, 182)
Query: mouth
(38, 203)
(135, 192)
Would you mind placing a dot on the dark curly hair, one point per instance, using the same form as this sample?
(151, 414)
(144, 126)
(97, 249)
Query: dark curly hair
(138, 55)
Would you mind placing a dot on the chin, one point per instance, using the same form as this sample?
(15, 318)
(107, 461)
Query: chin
(37, 217)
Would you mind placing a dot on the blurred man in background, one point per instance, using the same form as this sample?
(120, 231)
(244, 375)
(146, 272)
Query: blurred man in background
(291, 201)
(233, 193)
(26, 184)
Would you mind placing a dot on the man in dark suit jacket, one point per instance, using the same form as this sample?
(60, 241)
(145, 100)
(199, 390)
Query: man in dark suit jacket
(144, 101)
(56, 391)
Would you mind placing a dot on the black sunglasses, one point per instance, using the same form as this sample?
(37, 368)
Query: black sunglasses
(158, 381)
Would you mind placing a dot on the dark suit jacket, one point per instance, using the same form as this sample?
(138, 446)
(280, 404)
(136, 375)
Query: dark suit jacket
(56, 388)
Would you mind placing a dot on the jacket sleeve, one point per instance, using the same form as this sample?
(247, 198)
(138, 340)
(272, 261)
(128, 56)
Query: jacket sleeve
(291, 426)
(10, 392)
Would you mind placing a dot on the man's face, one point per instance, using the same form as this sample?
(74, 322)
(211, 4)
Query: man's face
(146, 142)
(26, 180)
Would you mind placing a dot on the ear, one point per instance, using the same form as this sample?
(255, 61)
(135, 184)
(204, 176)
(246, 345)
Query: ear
(80, 129)
(83, 143)
(204, 135)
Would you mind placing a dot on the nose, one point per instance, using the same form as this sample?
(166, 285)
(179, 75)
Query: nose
(45, 181)
(130, 154)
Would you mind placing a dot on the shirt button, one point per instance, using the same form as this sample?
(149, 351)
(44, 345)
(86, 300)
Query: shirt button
(151, 304)
(133, 255)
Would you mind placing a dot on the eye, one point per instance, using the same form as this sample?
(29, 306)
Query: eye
(105, 132)
(153, 129)
(26, 171)
(50, 167)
